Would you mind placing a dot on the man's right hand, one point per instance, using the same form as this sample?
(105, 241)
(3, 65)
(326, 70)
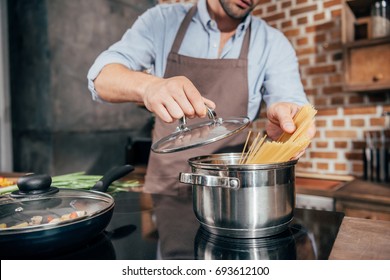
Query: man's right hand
(172, 98)
(169, 99)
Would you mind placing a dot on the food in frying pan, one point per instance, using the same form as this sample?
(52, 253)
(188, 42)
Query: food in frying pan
(286, 147)
(4, 182)
(41, 220)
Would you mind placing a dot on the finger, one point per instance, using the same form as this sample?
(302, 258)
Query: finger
(163, 113)
(209, 103)
(196, 100)
(285, 120)
(311, 132)
(185, 105)
(174, 109)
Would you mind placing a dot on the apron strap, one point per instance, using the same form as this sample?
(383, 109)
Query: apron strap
(186, 22)
(182, 30)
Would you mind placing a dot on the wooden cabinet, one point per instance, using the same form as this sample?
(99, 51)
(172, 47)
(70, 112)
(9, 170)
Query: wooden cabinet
(366, 59)
(364, 199)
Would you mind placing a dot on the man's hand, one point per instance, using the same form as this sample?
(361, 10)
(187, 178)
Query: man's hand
(280, 119)
(172, 98)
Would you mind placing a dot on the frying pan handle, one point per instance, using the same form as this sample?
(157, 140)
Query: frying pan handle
(209, 181)
(112, 175)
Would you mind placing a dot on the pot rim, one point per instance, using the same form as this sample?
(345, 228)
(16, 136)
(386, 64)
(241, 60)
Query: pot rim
(207, 162)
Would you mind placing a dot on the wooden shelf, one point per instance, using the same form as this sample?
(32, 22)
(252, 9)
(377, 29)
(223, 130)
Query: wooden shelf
(366, 59)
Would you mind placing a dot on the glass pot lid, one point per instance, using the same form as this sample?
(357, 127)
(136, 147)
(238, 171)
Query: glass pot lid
(199, 134)
(37, 205)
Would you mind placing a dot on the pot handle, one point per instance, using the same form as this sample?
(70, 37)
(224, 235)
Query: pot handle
(209, 181)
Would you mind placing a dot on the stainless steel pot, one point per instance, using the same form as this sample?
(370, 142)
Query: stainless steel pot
(241, 201)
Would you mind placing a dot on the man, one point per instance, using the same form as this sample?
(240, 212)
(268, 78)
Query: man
(214, 54)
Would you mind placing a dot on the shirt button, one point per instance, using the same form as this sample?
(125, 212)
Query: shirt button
(214, 45)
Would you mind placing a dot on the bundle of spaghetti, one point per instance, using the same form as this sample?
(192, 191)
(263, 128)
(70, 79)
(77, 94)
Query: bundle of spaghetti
(287, 145)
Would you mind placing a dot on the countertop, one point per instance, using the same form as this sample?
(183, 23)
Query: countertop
(362, 239)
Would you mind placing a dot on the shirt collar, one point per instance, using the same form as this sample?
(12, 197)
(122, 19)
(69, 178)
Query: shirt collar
(206, 20)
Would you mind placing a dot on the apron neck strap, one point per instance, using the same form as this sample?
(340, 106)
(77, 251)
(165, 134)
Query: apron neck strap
(184, 26)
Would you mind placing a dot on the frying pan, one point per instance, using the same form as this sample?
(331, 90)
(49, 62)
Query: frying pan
(36, 221)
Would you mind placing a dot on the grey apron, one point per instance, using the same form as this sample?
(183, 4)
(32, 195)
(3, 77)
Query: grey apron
(225, 81)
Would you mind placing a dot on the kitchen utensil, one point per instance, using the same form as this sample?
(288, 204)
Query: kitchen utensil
(238, 200)
(23, 235)
(199, 134)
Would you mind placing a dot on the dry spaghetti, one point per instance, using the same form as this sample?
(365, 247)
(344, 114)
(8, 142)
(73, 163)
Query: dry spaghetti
(286, 146)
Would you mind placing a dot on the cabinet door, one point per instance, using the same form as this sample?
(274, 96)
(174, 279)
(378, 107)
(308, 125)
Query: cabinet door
(367, 67)
(364, 210)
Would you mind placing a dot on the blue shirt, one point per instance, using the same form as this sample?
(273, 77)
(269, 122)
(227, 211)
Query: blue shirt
(273, 72)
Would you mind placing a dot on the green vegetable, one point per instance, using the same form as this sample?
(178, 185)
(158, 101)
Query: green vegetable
(81, 181)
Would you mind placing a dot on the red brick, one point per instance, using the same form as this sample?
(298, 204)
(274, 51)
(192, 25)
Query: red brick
(304, 61)
(341, 134)
(340, 167)
(318, 81)
(302, 20)
(338, 122)
(274, 17)
(319, 38)
(322, 165)
(332, 3)
(329, 155)
(356, 99)
(336, 13)
(320, 27)
(319, 16)
(360, 111)
(357, 122)
(321, 123)
(378, 121)
(340, 144)
(286, 4)
(291, 33)
(358, 145)
(320, 58)
(303, 10)
(306, 51)
(327, 112)
(333, 79)
(338, 100)
(332, 90)
(322, 144)
(301, 2)
(321, 69)
(271, 8)
(320, 101)
(357, 167)
(311, 91)
(305, 164)
(286, 24)
(354, 156)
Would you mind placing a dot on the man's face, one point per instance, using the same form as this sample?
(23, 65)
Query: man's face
(238, 9)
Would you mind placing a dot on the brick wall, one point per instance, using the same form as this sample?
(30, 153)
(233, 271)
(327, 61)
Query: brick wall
(314, 29)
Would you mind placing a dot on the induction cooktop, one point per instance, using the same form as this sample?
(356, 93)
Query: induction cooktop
(146, 226)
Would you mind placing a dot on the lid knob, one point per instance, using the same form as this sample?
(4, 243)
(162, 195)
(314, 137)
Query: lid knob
(34, 184)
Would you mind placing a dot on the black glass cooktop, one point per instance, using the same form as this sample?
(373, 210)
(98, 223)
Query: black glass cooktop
(148, 226)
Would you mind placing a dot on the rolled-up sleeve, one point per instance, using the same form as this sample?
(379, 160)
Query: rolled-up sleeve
(135, 50)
